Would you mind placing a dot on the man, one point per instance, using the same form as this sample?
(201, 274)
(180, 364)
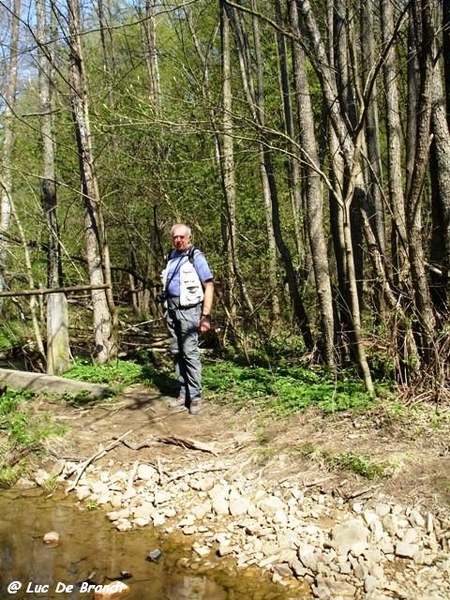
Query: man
(189, 288)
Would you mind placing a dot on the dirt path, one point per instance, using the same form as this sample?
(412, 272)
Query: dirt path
(308, 449)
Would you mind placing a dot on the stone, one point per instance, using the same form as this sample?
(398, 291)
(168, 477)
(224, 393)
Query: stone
(350, 536)
(146, 472)
(238, 505)
(158, 519)
(405, 550)
(51, 538)
(220, 505)
(307, 554)
(225, 549)
(270, 504)
(201, 550)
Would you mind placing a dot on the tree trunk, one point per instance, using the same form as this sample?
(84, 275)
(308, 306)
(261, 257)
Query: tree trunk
(345, 198)
(105, 334)
(151, 54)
(8, 141)
(58, 348)
(440, 198)
(229, 175)
(446, 54)
(257, 109)
(313, 196)
(394, 145)
(425, 320)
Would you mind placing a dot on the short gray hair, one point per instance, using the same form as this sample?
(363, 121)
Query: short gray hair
(188, 229)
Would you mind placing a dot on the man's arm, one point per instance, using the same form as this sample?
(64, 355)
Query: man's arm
(205, 320)
(208, 289)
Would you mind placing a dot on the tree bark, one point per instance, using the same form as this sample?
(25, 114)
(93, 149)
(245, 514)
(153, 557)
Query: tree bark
(105, 332)
(424, 316)
(353, 185)
(8, 140)
(58, 347)
(229, 176)
(313, 195)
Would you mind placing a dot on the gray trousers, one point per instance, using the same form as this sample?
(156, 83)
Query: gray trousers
(182, 324)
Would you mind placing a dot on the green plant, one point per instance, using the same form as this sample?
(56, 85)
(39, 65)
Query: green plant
(262, 434)
(307, 449)
(50, 484)
(11, 334)
(285, 389)
(10, 474)
(22, 430)
(92, 505)
(359, 464)
(119, 372)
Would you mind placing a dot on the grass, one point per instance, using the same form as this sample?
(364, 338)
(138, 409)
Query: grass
(118, 373)
(284, 390)
(21, 431)
(360, 464)
(281, 391)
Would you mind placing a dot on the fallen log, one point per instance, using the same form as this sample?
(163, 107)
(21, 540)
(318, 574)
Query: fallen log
(41, 382)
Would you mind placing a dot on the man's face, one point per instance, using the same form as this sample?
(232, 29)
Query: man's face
(181, 239)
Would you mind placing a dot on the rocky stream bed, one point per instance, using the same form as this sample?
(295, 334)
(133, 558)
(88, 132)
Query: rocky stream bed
(313, 534)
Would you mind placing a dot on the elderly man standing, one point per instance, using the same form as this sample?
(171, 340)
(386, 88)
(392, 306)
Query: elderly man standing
(189, 290)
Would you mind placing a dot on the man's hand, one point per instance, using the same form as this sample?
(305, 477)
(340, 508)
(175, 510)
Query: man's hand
(205, 323)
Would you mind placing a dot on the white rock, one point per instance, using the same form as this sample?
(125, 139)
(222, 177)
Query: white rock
(350, 536)
(405, 550)
(158, 519)
(146, 472)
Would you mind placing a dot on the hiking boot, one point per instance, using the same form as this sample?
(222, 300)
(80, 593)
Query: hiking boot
(195, 407)
(176, 405)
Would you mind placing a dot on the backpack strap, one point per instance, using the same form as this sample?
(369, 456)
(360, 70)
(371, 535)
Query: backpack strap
(191, 253)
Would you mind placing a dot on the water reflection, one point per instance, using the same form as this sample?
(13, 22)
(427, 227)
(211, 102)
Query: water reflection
(90, 548)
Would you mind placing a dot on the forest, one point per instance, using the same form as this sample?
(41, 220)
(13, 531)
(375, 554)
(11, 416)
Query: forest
(306, 142)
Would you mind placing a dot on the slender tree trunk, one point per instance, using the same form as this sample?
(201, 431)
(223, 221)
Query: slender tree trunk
(256, 105)
(394, 147)
(8, 140)
(272, 246)
(351, 151)
(105, 333)
(440, 198)
(446, 54)
(313, 195)
(425, 320)
(58, 348)
(372, 130)
(292, 163)
(228, 171)
(257, 110)
(151, 54)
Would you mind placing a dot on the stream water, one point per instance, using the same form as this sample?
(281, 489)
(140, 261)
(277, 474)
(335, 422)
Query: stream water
(90, 548)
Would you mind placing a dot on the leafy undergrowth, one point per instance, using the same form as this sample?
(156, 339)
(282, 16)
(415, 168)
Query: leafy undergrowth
(286, 390)
(118, 373)
(21, 431)
(282, 390)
